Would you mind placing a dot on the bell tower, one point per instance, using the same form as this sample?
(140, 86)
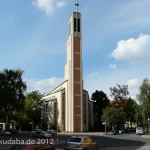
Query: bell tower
(73, 74)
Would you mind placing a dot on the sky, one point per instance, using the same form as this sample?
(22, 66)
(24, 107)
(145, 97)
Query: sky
(115, 42)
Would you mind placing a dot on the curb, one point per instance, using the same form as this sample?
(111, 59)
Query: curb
(128, 148)
(82, 133)
(145, 136)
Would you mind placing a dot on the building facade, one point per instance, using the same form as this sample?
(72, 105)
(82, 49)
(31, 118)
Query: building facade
(68, 105)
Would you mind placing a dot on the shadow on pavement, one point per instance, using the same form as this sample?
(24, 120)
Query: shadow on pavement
(104, 143)
(108, 142)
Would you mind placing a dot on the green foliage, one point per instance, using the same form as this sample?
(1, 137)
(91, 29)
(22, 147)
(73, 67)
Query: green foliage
(130, 108)
(125, 110)
(12, 89)
(144, 99)
(113, 117)
(100, 101)
(119, 92)
(33, 107)
(138, 115)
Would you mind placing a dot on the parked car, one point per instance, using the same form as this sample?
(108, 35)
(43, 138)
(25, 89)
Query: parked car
(35, 131)
(13, 131)
(146, 130)
(121, 131)
(4, 132)
(114, 132)
(42, 134)
(51, 131)
(80, 143)
(139, 130)
(129, 130)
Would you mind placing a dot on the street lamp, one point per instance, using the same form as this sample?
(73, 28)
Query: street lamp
(148, 124)
(57, 118)
(104, 123)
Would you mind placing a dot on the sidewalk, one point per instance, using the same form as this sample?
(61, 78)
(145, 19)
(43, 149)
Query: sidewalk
(94, 133)
(146, 136)
(128, 148)
(82, 133)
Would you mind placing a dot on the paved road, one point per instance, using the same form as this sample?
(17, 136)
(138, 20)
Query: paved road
(124, 142)
(117, 142)
(105, 142)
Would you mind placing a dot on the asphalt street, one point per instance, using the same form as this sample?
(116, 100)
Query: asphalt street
(104, 142)
(116, 142)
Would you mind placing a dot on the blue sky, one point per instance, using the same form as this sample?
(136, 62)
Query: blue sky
(115, 42)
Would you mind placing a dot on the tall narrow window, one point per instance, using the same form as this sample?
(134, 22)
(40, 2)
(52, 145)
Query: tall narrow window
(84, 108)
(76, 24)
(55, 113)
(63, 106)
(89, 114)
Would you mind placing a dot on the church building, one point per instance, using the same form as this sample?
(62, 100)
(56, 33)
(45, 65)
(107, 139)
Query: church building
(68, 106)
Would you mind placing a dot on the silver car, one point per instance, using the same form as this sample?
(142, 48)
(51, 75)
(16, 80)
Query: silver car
(80, 143)
(51, 131)
(39, 133)
(33, 133)
(139, 130)
(4, 132)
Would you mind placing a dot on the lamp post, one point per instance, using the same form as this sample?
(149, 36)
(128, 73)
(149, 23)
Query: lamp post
(57, 118)
(149, 124)
(105, 127)
(104, 123)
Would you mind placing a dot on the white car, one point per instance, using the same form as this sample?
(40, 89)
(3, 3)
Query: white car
(42, 134)
(139, 130)
(39, 133)
(4, 132)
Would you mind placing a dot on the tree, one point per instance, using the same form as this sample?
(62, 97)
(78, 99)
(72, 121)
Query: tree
(144, 99)
(113, 117)
(33, 107)
(119, 92)
(130, 108)
(100, 101)
(138, 116)
(12, 89)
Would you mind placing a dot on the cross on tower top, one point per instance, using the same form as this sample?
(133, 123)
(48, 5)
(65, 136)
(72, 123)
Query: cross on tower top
(77, 5)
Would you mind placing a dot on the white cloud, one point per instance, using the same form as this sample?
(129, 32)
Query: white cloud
(133, 87)
(48, 6)
(45, 5)
(60, 4)
(133, 83)
(113, 66)
(133, 49)
(44, 85)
